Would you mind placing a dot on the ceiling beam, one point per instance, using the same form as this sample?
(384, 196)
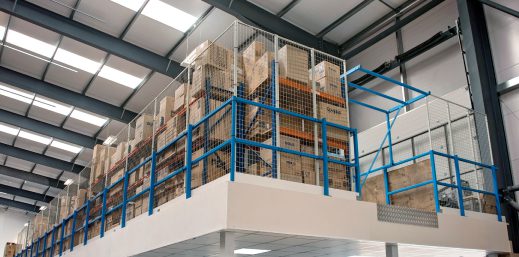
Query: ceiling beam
(287, 8)
(39, 158)
(25, 193)
(397, 26)
(31, 177)
(250, 13)
(47, 129)
(380, 23)
(343, 18)
(90, 36)
(19, 205)
(66, 96)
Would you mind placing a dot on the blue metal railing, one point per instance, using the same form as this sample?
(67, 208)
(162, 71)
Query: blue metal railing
(233, 141)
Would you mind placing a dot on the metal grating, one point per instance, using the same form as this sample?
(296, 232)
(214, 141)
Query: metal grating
(404, 215)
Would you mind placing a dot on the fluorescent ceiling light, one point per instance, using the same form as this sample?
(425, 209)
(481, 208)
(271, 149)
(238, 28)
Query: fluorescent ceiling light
(26, 224)
(30, 43)
(66, 147)
(42, 208)
(16, 94)
(133, 5)
(169, 15)
(9, 130)
(88, 118)
(110, 140)
(52, 106)
(120, 77)
(69, 182)
(77, 61)
(35, 138)
(250, 251)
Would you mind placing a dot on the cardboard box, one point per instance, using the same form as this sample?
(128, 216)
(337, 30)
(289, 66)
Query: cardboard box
(331, 86)
(217, 166)
(290, 167)
(120, 152)
(327, 70)
(284, 142)
(212, 54)
(180, 97)
(334, 114)
(81, 198)
(166, 109)
(250, 55)
(189, 60)
(217, 78)
(261, 72)
(293, 63)
(143, 127)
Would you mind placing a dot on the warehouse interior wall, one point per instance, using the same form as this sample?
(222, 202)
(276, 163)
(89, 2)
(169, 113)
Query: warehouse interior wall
(439, 70)
(10, 223)
(503, 33)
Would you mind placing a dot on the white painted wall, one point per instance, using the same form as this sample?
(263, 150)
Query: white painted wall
(11, 222)
(510, 110)
(503, 32)
(439, 70)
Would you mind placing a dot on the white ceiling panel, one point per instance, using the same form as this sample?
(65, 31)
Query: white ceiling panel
(34, 187)
(215, 23)
(112, 92)
(75, 81)
(84, 157)
(53, 191)
(7, 138)
(272, 6)
(60, 154)
(45, 115)
(23, 63)
(148, 92)
(304, 14)
(159, 38)
(18, 163)
(6, 196)
(55, 7)
(105, 19)
(113, 128)
(34, 31)
(24, 200)
(13, 105)
(29, 145)
(46, 171)
(10, 181)
(357, 22)
(81, 127)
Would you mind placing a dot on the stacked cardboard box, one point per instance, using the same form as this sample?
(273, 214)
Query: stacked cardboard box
(120, 152)
(216, 78)
(10, 250)
(143, 128)
(293, 63)
(64, 206)
(261, 72)
(290, 165)
(80, 198)
(219, 123)
(328, 78)
(166, 109)
(98, 165)
(250, 56)
(334, 114)
(308, 166)
(180, 97)
(40, 224)
(217, 166)
(419, 198)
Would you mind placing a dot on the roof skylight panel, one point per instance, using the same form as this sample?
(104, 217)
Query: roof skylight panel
(169, 15)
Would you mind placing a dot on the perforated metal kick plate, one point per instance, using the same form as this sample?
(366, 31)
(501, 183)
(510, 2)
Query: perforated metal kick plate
(404, 215)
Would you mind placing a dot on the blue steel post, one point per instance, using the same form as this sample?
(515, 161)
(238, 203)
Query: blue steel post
(74, 217)
(273, 117)
(151, 197)
(386, 187)
(390, 141)
(85, 228)
(496, 193)
(37, 247)
(125, 199)
(206, 130)
(61, 238)
(240, 128)
(189, 152)
(44, 253)
(233, 139)
(52, 241)
(103, 214)
(435, 181)
(326, 182)
(460, 187)
(357, 163)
